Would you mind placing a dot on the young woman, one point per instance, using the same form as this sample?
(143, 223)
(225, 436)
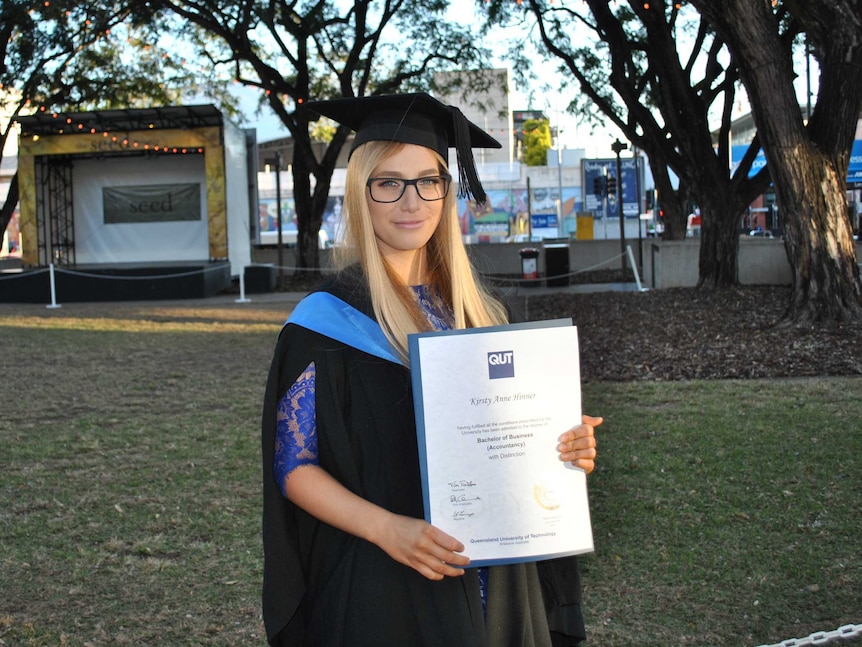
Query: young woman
(349, 559)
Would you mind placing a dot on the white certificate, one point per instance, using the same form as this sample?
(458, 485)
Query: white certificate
(491, 404)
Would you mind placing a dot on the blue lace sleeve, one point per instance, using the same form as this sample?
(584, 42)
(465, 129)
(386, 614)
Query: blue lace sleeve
(296, 428)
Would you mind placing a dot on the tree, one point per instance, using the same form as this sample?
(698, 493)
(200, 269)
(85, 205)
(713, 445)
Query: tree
(537, 141)
(61, 56)
(295, 51)
(634, 74)
(808, 162)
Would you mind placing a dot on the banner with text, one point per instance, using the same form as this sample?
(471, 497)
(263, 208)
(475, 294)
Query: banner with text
(151, 203)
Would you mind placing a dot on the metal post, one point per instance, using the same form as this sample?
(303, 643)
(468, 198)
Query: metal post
(242, 298)
(605, 203)
(617, 147)
(277, 161)
(53, 287)
(559, 183)
(638, 197)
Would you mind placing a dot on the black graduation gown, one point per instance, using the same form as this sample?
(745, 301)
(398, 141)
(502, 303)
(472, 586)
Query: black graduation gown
(322, 586)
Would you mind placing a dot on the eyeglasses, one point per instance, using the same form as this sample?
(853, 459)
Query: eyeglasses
(390, 189)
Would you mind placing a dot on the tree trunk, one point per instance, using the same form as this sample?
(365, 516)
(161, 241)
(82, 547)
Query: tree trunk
(309, 215)
(9, 205)
(310, 204)
(719, 246)
(674, 220)
(819, 240)
(671, 204)
(810, 192)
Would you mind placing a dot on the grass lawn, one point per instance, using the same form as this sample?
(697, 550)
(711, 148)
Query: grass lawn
(724, 513)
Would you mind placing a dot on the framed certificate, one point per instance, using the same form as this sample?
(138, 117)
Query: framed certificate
(491, 404)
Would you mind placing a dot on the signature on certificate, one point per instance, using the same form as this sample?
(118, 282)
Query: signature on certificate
(461, 483)
(463, 498)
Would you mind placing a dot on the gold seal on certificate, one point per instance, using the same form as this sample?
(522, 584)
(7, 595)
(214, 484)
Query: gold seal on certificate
(491, 404)
(545, 496)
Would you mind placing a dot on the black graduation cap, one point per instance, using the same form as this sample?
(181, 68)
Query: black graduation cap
(415, 118)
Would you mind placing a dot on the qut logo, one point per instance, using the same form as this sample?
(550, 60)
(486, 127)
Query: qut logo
(501, 364)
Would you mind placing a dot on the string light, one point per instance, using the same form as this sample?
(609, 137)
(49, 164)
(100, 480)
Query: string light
(72, 126)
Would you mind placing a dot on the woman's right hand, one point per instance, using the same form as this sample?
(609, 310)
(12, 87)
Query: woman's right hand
(409, 541)
(423, 547)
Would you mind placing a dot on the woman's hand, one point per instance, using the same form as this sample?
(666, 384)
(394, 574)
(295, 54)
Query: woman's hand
(578, 444)
(412, 542)
(423, 547)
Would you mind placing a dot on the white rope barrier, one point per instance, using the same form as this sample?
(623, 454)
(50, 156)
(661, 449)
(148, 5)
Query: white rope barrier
(52, 271)
(146, 277)
(17, 274)
(608, 261)
(502, 282)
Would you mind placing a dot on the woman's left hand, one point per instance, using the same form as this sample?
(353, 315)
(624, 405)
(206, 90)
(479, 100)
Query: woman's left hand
(578, 444)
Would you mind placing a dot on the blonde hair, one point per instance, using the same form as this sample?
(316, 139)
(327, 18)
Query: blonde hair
(449, 267)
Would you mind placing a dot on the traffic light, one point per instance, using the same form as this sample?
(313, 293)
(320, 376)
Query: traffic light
(599, 186)
(650, 200)
(612, 185)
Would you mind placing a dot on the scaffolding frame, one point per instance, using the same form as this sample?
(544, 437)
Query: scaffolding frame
(55, 211)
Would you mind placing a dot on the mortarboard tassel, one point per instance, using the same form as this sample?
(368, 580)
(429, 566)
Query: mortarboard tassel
(468, 179)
